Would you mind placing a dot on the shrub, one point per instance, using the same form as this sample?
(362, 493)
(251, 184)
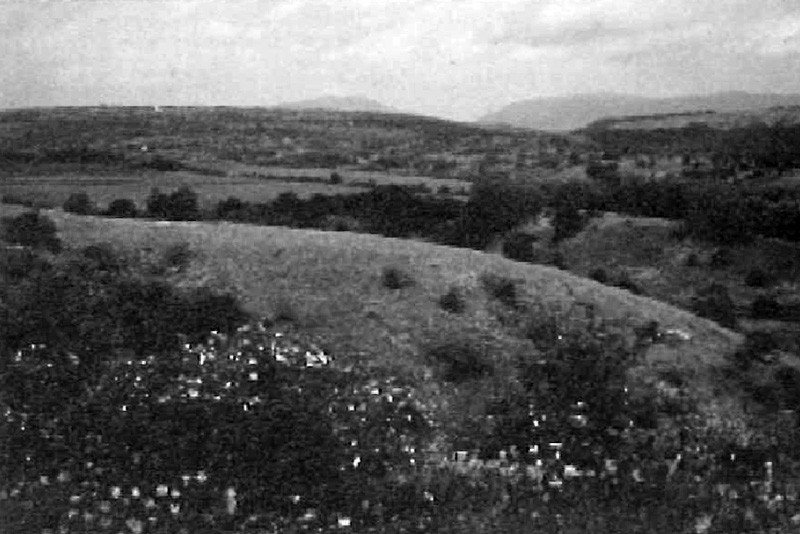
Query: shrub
(183, 205)
(501, 288)
(335, 178)
(177, 257)
(231, 208)
(122, 207)
(80, 204)
(19, 263)
(460, 360)
(452, 301)
(758, 278)
(157, 204)
(568, 221)
(519, 247)
(285, 311)
(395, 278)
(599, 275)
(693, 260)
(103, 257)
(764, 307)
(721, 258)
(32, 230)
(715, 303)
(626, 282)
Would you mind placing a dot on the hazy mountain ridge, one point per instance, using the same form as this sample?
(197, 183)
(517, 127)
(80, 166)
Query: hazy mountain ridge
(775, 116)
(339, 103)
(578, 111)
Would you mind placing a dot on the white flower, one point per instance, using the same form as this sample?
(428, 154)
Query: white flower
(116, 492)
(162, 490)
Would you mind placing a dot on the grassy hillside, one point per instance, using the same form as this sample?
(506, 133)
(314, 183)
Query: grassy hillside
(329, 285)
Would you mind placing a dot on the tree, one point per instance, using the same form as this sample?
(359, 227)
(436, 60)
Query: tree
(157, 204)
(122, 207)
(32, 230)
(182, 205)
(79, 203)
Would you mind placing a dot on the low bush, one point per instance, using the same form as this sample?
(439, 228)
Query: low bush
(460, 360)
(177, 257)
(32, 230)
(501, 288)
(721, 258)
(103, 257)
(624, 281)
(693, 260)
(395, 278)
(122, 207)
(80, 204)
(599, 275)
(765, 307)
(519, 247)
(285, 311)
(758, 278)
(453, 301)
(715, 303)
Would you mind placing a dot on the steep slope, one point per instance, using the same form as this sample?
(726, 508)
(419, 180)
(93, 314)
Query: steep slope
(577, 111)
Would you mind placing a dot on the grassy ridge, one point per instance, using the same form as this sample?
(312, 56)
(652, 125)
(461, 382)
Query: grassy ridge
(331, 284)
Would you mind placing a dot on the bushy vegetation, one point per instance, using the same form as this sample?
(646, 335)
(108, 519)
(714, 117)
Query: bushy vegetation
(460, 360)
(393, 277)
(501, 288)
(758, 278)
(80, 204)
(715, 303)
(122, 207)
(31, 229)
(94, 303)
(453, 301)
(180, 205)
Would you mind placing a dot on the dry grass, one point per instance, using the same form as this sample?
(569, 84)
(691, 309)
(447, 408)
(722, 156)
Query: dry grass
(210, 189)
(334, 281)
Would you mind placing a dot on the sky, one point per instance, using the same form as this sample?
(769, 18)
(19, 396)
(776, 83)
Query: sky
(457, 59)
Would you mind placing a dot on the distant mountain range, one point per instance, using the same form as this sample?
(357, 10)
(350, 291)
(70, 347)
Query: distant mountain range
(575, 112)
(340, 103)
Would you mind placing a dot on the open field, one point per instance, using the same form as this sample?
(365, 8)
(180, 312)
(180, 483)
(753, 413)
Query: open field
(103, 189)
(332, 283)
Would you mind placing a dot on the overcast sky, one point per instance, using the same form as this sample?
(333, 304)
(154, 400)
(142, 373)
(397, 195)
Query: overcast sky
(451, 58)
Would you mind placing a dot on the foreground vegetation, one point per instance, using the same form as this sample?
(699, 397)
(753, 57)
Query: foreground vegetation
(189, 431)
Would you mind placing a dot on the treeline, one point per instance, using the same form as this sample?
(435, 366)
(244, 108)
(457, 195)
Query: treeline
(755, 147)
(719, 213)
(18, 160)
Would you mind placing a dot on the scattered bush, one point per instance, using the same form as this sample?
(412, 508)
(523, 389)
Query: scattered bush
(32, 230)
(80, 204)
(103, 257)
(765, 307)
(721, 258)
(285, 311)
(453, 301)
(122, 207)
(460, 360)
(599, 275)
(177, 257)
(395, 278)
(626, 282)
(519, 247)
(715, 303)
(758, 278)
(501, 288)
(180, 205)
(335, 178)
(693, 260)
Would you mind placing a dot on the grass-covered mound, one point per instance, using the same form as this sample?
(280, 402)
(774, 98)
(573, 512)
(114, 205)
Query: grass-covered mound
(541, 399)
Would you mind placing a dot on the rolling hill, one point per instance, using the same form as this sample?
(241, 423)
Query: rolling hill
(328, 285)
(577, 111)
(339, 103)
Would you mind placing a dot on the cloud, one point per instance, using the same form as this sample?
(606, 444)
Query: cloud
(457, 58)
